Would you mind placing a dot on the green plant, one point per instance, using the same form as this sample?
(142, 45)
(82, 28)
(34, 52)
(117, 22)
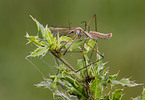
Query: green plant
(91, 82)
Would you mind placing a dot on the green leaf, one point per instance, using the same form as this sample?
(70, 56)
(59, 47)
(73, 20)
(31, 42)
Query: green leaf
(39, 51)
(75, 45)
(51, 85)
(40, 28)
(48, 36)
(100, 65)
(142, 97)
(61, 94)
(113, 77)
(138, 98)
(63, 70)
(96, 89)
(74, 83)
(91, 43)
(107, 97)
(46, 84)
(117, 94)
(80, 63)
(78, 87)
(104, 77)
(64, 38)
(54, 45)
(125, 82)
(61, 40)
(35, 40)
(58, 42)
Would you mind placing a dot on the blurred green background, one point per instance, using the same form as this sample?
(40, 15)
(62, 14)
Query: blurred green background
(125, 51)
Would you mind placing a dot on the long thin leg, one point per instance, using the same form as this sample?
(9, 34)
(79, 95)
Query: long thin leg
(66, 43)
(70, 32)
(90, 21)
(92, 62)
(95, 50)
(95, 30)
(76, 36)
(92, 51)
(88, 65)
(84, 58)
(63, 60)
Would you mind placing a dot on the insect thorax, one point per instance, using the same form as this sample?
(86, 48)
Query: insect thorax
(79, 31)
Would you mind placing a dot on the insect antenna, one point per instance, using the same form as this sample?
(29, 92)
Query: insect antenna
(95, 23)
(69, 24)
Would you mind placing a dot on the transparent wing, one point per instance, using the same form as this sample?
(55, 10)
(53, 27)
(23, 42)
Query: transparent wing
(62, 30)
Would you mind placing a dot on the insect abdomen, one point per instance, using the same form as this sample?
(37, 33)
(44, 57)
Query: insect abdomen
(104, 36)
(101, 35)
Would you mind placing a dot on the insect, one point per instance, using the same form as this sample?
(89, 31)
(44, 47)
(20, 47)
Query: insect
(92, 34)
(79, 32)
